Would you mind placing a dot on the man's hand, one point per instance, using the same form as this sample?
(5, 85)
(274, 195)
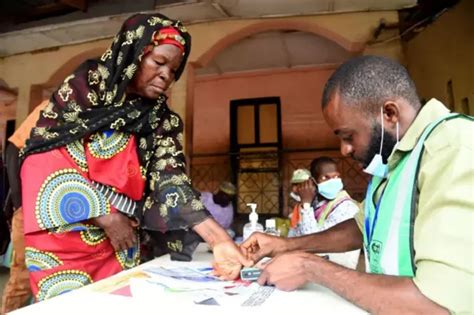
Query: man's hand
(260, 245)
(287, 271)
(119, 229)
(307, 191)
(228, 260)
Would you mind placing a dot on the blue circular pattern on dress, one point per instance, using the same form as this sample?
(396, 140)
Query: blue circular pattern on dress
(37, 260)
(66, 197)
(74, 207)
(61, 282)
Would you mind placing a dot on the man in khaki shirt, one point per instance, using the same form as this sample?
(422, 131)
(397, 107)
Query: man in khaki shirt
(363, 95)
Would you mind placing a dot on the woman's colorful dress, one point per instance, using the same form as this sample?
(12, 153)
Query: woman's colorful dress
(59, 198)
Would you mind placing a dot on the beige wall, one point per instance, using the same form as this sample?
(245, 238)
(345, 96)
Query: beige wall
(29, 72)
(445, 51)
(300, 93)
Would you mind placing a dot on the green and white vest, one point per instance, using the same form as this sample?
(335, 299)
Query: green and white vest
(388, 232)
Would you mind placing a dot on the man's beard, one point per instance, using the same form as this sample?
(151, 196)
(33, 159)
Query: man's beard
(389, 142)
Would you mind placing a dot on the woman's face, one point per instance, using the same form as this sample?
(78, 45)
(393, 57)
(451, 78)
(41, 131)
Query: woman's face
(156, 71)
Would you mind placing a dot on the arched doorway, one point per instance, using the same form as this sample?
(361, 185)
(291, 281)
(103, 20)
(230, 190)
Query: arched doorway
(288, 66)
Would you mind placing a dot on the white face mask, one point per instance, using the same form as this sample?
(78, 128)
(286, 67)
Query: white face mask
(377, 167)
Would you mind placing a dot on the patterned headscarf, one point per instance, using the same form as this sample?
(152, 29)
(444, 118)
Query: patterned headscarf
(94, 99)
(94, 96)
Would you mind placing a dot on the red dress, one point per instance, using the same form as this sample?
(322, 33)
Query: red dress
(64, 250)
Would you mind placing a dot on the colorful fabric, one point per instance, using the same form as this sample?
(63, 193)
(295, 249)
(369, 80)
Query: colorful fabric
(94, 99)
(93, 131)
(169, 35)
(64, 250)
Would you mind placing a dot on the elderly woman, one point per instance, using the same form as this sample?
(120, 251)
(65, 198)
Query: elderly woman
(105, 156)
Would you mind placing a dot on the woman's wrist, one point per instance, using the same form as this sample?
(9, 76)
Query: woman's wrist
(212, 232)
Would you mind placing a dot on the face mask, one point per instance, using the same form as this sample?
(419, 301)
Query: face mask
(330, 188)
(295, 197)
(377, 167)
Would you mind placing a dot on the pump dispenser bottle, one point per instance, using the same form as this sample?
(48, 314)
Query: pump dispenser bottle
(253, 225)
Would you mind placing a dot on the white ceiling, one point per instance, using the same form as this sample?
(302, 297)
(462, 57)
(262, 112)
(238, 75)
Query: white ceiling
(276, 49)
(190, 11)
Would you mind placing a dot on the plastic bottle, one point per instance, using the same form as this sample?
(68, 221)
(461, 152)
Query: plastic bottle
(270, 225)
(253, 225)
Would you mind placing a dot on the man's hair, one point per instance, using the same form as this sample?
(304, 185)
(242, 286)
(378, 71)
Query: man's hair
(369, 81)
(317, 163)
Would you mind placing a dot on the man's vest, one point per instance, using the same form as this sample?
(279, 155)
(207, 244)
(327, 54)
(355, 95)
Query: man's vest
(389, 222)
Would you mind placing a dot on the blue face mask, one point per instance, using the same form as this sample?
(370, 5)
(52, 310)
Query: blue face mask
(330, 188)
(377, 167)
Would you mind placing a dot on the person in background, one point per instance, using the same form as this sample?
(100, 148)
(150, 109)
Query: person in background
(335, 205)
(220, 206)
(320, 192)
(301, 223)
(105, 157)
(17, 290)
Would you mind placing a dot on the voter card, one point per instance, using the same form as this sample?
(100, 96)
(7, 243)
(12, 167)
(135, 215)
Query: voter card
(250, 274)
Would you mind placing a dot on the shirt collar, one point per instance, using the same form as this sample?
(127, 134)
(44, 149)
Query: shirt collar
(431, 111)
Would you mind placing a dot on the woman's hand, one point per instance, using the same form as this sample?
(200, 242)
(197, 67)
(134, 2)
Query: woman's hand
(119, 229)
(228, 260)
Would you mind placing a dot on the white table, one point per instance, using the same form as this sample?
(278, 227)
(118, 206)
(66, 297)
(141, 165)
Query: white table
(94, 299)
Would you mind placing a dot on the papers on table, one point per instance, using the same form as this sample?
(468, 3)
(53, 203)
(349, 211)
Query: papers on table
(196, 286)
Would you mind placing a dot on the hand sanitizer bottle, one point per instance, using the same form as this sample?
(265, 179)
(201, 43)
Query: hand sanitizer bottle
(270, 225)
(253, 225)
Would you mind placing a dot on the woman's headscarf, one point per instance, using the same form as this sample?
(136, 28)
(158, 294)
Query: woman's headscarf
(94, 96)
(94, 99)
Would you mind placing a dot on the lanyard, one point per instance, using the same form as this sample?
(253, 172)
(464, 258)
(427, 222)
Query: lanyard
(370, 226)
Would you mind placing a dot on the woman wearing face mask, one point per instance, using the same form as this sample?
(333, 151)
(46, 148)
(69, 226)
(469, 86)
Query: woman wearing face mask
(335, 205)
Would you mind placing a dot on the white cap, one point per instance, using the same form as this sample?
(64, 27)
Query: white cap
(270, 223)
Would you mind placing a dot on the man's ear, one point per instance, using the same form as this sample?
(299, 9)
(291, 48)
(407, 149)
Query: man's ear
(391, 112)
